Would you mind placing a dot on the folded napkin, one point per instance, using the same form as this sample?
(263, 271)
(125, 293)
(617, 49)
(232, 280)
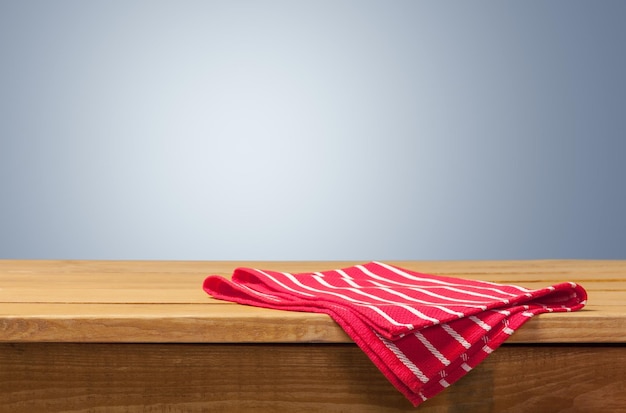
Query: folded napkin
(423, 331)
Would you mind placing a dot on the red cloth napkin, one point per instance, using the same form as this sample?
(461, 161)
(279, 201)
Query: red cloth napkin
(424, 332)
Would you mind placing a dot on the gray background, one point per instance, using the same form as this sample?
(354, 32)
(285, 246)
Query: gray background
(312, 129)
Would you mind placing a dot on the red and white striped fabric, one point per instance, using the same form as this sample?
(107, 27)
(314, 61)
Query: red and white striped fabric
(424, 332)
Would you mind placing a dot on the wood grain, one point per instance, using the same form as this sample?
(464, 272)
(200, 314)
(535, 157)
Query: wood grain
(38, 377)
(142, 336)
(162, 301)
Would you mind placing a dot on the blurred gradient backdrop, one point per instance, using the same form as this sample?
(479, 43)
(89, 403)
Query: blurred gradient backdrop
(312, 130)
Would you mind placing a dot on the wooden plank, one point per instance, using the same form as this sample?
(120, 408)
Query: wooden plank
(538, 270)
(599, 293)
(230, 323)
(180, 282)
(54, 377)
(151, 301)
(91, 294)
(166, 323)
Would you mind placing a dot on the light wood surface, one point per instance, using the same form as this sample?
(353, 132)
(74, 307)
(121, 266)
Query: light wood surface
(134, 301)
(89, 336)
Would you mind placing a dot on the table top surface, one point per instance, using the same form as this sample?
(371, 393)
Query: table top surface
(163, 301)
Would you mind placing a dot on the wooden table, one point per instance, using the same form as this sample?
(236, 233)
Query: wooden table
(101, 336)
